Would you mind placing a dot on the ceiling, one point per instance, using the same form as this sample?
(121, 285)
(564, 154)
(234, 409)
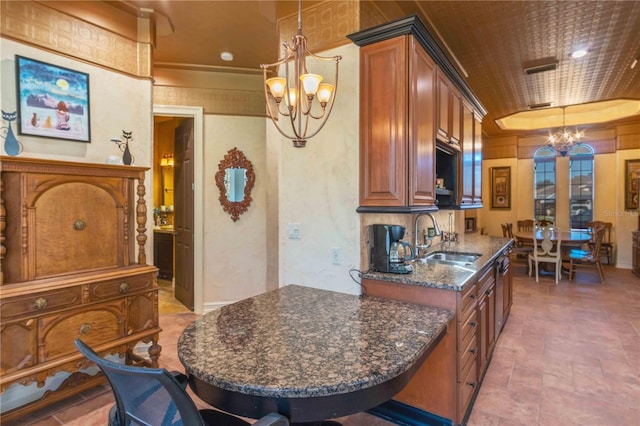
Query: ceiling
(491, 41)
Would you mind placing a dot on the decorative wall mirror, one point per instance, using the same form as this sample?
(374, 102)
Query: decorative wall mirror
(235, 179)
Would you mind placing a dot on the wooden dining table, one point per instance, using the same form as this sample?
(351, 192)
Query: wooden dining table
(570, 238)
(307, 353)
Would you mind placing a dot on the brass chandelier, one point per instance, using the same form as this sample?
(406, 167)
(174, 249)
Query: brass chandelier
(563, 140)
(300, 97)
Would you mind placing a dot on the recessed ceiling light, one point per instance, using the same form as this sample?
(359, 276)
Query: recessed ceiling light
(578, 53)
(226, 56)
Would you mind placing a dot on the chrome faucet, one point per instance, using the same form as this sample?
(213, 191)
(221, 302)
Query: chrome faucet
(427, 240)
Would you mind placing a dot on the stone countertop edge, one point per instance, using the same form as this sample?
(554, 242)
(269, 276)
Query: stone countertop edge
(300, 342)
(449, 277)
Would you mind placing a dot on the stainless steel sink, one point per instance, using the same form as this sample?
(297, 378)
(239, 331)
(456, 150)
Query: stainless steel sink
(453, 257)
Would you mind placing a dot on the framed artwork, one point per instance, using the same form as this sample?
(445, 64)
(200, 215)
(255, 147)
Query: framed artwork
(501, 187)
(632, 174)
(53, 102)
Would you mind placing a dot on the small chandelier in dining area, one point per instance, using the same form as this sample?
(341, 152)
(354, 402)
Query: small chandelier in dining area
(563, 140)
(301, 98)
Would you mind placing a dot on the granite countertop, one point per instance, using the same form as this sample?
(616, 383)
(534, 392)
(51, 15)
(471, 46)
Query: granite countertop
(450, 277)
(300, 342)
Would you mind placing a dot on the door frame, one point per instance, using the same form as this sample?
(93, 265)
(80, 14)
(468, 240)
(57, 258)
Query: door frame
(198, 193)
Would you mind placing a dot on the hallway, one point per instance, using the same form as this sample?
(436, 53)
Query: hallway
(569, 355)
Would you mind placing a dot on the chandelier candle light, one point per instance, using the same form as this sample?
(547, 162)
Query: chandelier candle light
(563, 140)
(299, 89)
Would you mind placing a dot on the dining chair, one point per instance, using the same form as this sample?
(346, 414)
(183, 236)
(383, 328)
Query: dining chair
(544, 251)
(606, 247)
(545, 222)
(519, 251)
(588, 258)
(157, 397)
(525, 225)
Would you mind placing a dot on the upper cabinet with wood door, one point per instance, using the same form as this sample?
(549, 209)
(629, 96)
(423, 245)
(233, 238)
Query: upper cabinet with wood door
(410, 95)
(397, 141)
(448, 111)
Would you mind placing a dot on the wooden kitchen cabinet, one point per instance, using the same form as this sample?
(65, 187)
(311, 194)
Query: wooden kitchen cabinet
(397, 146)
(466, 154)
(486, 317)
(477, 160)
(410, 95)
(73, 266)
(448, 111)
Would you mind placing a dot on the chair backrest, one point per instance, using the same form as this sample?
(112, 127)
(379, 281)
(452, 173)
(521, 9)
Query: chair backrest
(606, 237)
(525, 225)
(598, 239)
(544, 222)
(550, 239)
(145, 396)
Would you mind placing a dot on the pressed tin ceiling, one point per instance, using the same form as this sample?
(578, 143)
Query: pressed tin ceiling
(491, 41)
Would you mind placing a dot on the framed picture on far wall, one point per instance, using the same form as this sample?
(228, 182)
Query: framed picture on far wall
(53, 102)
(632, 173)
(501, 187)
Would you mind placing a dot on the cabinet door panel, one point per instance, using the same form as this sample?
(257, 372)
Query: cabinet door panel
(477, 161)
(467, 155)
(101, 324)
(142, 312)
(383, 112)
(17, 345)
(73, 229)
(443, 131)
(422, 96)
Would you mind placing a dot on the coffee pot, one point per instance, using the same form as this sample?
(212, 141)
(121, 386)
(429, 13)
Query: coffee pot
(398, 252)
(388, 253)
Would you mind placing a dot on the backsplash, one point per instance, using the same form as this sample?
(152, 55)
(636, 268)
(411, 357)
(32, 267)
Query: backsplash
(406, 220)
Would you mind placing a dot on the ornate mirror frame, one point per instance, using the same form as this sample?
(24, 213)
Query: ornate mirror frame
(235, 159)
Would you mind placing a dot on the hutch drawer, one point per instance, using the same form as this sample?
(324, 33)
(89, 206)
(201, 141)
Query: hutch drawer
(38, 303)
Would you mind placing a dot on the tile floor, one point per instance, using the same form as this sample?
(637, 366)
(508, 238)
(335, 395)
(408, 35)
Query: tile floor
(569, 355)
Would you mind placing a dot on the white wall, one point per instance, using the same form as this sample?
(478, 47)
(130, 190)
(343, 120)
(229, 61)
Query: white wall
(117, 103)
(318, 188)
(234, 252)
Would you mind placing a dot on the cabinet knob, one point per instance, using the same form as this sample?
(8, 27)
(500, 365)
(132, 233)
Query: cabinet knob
(79, 225)
(472, 296)
(473, 323)
(473, 385)
(473, 351)
(85, 328)
(39, 303)
(124, 287)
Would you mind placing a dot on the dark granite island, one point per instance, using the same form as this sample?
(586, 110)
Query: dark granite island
(308, 354)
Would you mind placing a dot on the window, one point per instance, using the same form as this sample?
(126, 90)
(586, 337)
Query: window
(544, 181)
(580, 186)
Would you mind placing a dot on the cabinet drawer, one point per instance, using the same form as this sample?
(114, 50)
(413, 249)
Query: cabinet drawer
(467, 329)
(467, 302)
(94, 326)
(120, 287)
(466, 388)
(467, 357)
(37, 303)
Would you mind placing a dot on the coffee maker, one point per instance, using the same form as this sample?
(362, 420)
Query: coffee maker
(388, 253)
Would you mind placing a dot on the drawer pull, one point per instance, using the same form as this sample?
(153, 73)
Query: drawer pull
(473, 385)
(473, 351)
(473, 323)
(124, 287)
(85, 328)
(79, 225)
(472, 296)
(39, 303)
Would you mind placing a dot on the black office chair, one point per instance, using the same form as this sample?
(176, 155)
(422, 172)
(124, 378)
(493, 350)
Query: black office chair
(157, 397)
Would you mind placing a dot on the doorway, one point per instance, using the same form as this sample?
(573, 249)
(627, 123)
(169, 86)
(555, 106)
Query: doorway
(188, 256)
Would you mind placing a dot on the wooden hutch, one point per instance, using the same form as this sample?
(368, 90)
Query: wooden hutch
(72, 265)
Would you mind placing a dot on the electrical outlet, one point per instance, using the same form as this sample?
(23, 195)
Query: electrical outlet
(294, 231)
(336, 255)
